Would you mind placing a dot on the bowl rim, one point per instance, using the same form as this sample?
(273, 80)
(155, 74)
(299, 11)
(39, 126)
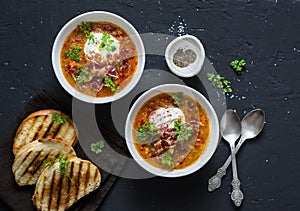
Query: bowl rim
(55, 59)
(214, 128)
(178, 70)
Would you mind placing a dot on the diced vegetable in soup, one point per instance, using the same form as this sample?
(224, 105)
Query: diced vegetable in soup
(98, 59)
(171, 131)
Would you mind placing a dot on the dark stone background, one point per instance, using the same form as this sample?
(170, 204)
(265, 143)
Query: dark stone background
(263, 32)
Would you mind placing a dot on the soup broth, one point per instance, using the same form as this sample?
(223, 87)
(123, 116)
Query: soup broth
(171, 131)
(98, 59)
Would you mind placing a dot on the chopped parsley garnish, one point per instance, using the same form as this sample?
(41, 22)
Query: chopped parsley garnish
(147, 132)
(110, 84)
(45, 164)
(107, 43)
(238, 65)
(183, 131)
(167, 159)
(86, 27)
(97, 147)
(83, 74)
(178, 99)
(59, 118)
(73, 54)
(63, 163)
(219, 82)
(91, 37)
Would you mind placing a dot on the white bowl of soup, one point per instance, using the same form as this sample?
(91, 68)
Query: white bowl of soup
(172, 130)
(98, 57)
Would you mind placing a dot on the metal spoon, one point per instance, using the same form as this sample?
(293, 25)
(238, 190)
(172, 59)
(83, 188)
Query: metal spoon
(231, 131)
(252, 125)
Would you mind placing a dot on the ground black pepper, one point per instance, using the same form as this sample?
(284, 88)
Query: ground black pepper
(183, 58)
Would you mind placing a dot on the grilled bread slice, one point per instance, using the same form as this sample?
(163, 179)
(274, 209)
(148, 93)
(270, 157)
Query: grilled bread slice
(33, 157)
(56, 191)
(41, 124)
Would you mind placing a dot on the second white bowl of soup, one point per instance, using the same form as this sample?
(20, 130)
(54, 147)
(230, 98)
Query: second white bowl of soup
(172, 130)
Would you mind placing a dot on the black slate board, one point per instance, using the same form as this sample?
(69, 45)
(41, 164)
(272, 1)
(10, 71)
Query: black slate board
(19, 198)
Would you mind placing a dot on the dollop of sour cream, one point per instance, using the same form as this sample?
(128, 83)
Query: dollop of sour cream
(166, 116)
(92, 46)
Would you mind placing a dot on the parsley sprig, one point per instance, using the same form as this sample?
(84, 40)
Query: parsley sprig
(110, 84)
(107, 43)
(238, 65)
(146, 132)
(91, 37)
(50, 163)
(63, 163)
(178, 99)
(183, 131)
(59, 118)
(97, 147)
(219, 82)
(73, 54)
(86, 27)
(167, 159)
(83, 74)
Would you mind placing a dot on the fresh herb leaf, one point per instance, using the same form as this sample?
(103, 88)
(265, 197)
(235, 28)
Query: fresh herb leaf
(83, 74)
(73, 54)
(97, 147)
(167, 159)
(210, 76)
(59, 118)
(110, 84)
(91, 37)
(178, 99)
(238, 65)
(147, 132)
(63, 163)
(107, 43)
(45, 164)
(219, 82)
(183, 131)
(86, 27)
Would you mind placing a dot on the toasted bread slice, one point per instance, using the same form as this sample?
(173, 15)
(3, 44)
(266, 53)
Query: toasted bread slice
(39, 125)
(33, 157)
(56, 191)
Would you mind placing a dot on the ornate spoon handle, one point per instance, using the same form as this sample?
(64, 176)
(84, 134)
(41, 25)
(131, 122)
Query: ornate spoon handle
(236, 194)
(215, 181)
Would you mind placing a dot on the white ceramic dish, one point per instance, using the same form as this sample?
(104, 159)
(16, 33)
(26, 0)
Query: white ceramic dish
(214, 130)
(185, 42)
(94, 17)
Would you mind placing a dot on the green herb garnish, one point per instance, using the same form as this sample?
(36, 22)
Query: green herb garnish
(219, 82)
(45, 164)
(167, 159)
(110, 84)
(83, 74)
(178, 99)
(238, 65)
(59, 118)
(91, 37)
(146, 132)
(97, 147)
(86, 27)
(63, 163)
(73, 54)
(107, 43)
(183, 131)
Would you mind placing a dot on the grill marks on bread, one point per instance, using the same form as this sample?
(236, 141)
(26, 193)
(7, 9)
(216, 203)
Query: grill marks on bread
(59, 192)
(40, 125)
(28, 161)
(38, 141)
